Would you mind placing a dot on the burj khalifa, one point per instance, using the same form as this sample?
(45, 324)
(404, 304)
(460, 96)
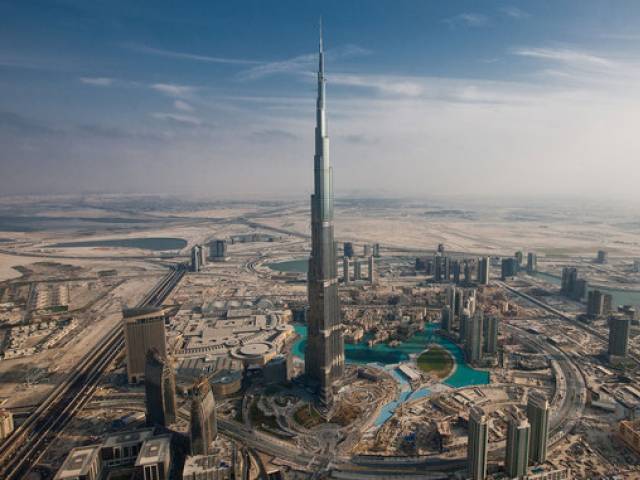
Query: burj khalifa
(324, 356)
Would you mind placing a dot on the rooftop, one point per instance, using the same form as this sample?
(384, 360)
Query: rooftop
(155, 450)
(137, 436)
(77, 462)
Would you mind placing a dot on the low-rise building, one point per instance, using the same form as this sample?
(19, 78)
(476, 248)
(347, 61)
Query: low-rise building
(82, 463)
(154, 460)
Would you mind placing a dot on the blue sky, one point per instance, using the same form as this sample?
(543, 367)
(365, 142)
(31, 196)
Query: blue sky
(217, 98)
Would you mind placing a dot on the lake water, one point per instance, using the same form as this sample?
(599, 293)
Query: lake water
(152, 243)
(361, 353)
(387, 356)
(299, 265)
(619, 297)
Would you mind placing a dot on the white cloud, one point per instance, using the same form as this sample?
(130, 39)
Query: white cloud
(468, 19)
(301, 64)
(405, 86)
(514, 12)
(189, 56)
(98, 81)
(179, 118)
(182, 105)
(173, 90)
(297, 65)
(567, 56)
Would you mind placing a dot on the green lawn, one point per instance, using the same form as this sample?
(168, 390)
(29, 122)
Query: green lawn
(436, 361)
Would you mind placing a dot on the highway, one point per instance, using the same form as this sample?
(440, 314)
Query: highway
(587, 328)
(22, 450)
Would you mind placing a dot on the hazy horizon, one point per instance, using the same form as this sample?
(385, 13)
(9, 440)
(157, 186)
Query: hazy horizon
(497, 99)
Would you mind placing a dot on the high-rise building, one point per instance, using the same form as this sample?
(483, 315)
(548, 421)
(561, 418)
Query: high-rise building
(478, 444)
(517, 451)
(143, 330)
(532, 262)
(483, 270)
(446, 319)
(346, 275)
(456, 270)
(218, 250)
(452, 294)
(459, 304)
(324, 357)
(598, 303)
(636, 266)
(195, 258)
(470, 300)
(376, 250)
(468, 271)
(372, 270)
(619, 336)
(202, 250)
(519, 256)
(601, 256)
(278, 370)
(465, 319)
(160, 390)
(357, 269)
(571, 286)
(442, 266)
(366, 250)
(348, 246)
(538, 416)
(509, 268)
(204, 425)
(569, 277)
(490, 327)
(473, 344)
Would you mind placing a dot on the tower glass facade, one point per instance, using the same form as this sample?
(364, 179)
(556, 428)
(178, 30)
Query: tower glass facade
(324, 356)
(160, 390)
(517, 451)
(538, 416)
(478, 444)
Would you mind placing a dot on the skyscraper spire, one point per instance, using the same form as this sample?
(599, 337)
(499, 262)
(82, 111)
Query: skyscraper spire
(324, 357)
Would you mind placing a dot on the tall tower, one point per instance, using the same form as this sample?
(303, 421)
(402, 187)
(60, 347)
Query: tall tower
(517, 451)
(478, 444)
(160, 390)
(324, 357)
(204, 424)
(490, 327)
(143, 330)
(619, 336)
(473, 344)
(538, 416)
(483, 270)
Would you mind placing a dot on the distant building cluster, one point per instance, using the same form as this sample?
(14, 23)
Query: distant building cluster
(52, 297)
(29, 339)
(477, 332)
(355, 265)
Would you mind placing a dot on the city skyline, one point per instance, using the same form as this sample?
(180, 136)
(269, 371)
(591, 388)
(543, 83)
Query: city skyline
(504, 96)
